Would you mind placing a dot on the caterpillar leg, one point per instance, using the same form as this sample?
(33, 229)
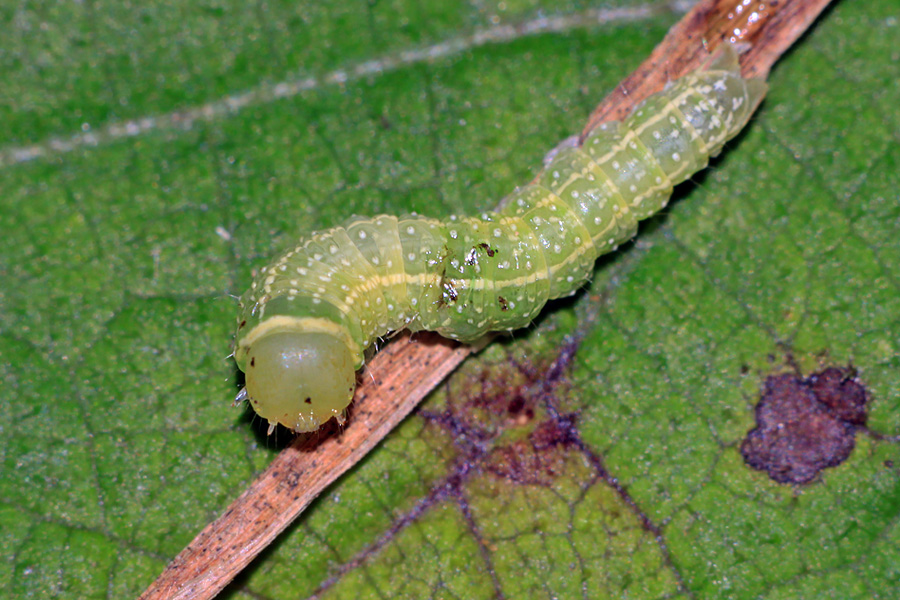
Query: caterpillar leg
(240, 397)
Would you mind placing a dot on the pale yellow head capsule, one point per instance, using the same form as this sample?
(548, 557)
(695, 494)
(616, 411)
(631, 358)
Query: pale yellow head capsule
(299, 379)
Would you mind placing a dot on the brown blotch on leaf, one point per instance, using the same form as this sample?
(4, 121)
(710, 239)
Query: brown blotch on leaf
(537, 460)
(805, 425)
(504, 395)
(497, 422)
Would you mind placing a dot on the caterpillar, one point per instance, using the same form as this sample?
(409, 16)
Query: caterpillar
(310, 315)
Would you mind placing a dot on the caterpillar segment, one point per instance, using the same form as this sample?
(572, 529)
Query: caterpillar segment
(310, 315)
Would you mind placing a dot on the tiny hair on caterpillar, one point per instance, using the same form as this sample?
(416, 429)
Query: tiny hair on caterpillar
(309, 316)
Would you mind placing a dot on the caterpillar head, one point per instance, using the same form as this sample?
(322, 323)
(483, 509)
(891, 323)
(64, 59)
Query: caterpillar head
(299, 379)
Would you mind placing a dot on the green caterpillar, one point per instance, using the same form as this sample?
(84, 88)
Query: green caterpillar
(308, 317)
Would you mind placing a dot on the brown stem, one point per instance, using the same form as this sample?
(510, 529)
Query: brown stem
(403, 373)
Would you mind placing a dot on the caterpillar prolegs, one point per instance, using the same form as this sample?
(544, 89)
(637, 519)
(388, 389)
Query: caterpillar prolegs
(309, 316)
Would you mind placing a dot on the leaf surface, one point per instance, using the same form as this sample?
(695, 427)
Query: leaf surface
(152, 157)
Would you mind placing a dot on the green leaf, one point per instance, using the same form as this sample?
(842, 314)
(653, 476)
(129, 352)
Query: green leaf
(152, 156)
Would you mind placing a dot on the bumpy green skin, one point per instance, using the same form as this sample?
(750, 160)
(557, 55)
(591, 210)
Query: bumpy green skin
(466, 276)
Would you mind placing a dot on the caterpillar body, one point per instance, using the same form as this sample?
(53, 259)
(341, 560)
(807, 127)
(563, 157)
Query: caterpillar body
(309, 316)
